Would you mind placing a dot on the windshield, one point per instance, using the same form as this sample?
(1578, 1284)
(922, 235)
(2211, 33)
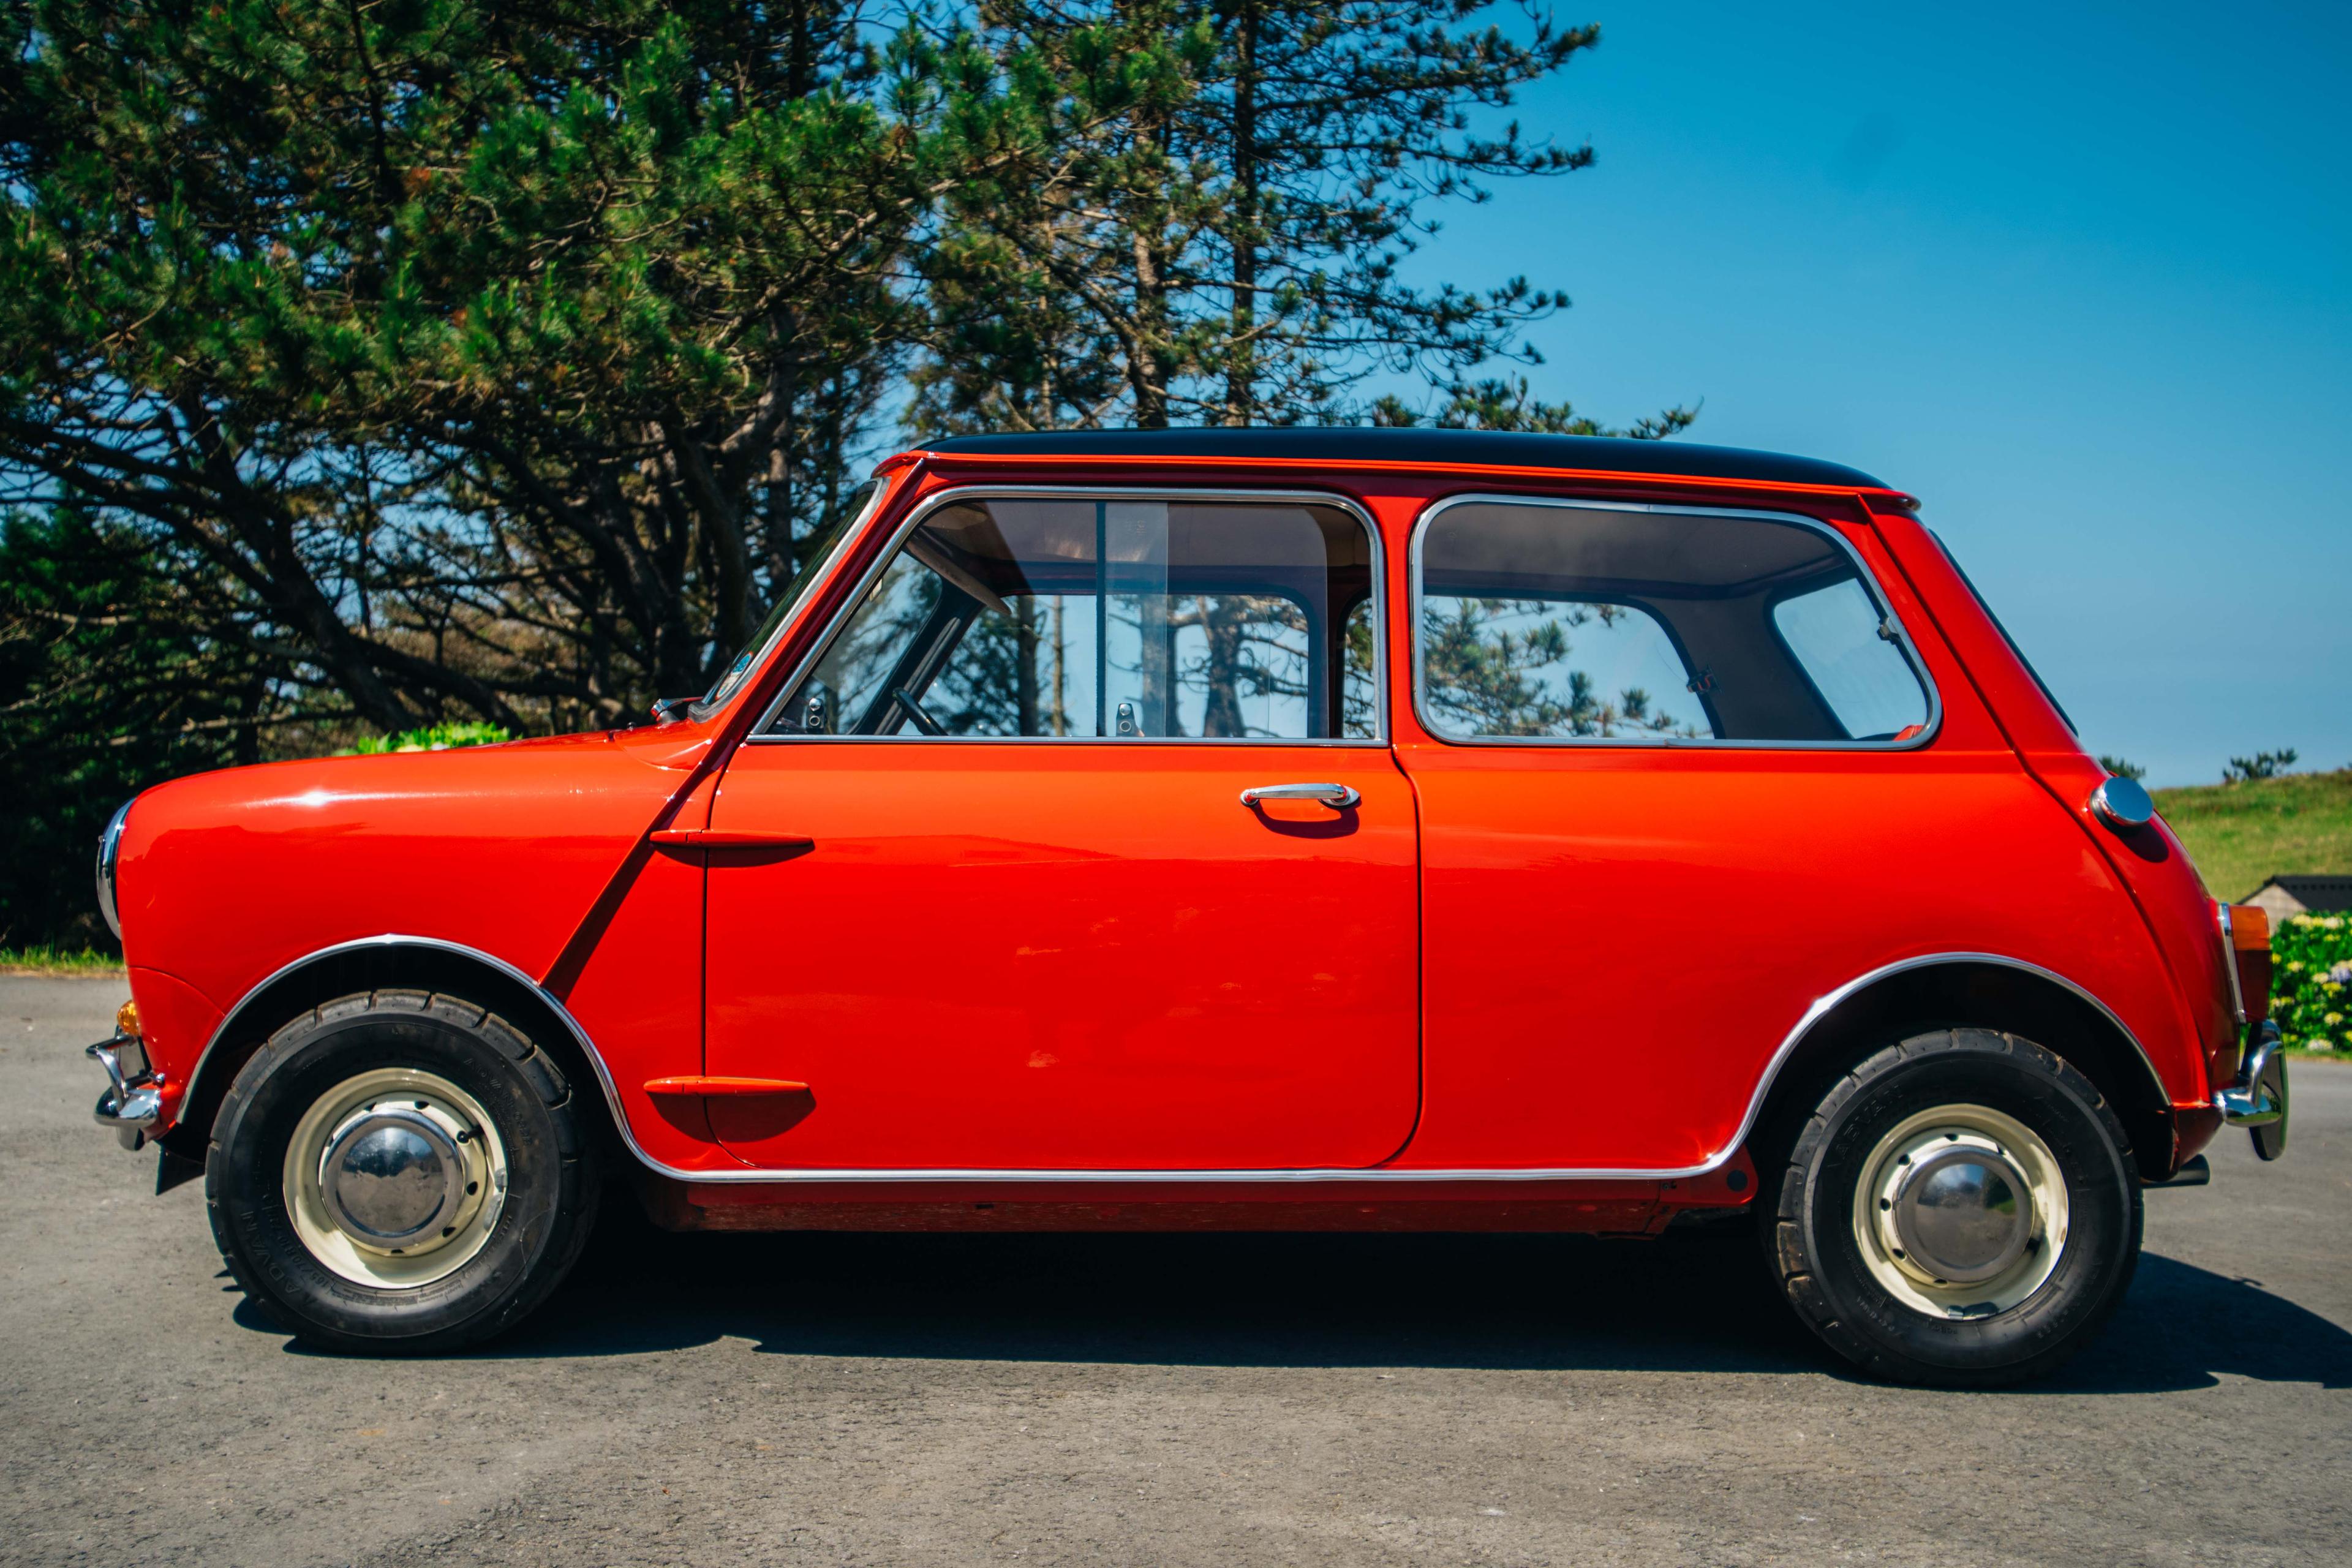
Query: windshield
(862, 503)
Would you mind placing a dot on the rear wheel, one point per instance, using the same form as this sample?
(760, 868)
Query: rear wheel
(1960, 1209)
(399, 1172)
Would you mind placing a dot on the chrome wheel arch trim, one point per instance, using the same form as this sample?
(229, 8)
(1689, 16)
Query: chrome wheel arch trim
(397, 939)
(1820, 1008)
(1828, 1000)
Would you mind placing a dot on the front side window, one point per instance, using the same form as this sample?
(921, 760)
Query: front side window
(1085, 618)
(1565, 622)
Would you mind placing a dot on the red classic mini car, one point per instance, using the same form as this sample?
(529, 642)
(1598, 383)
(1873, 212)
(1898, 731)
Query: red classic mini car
(1254, 829)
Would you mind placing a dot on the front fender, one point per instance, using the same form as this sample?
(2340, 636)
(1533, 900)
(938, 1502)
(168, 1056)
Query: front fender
(226, 879)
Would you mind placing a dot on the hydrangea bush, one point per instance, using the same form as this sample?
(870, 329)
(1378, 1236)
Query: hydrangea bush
(2311, 990)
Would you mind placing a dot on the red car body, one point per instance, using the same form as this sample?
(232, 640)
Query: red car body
(998, 984)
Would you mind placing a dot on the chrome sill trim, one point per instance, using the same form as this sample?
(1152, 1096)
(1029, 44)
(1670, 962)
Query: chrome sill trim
(1253, 1177)
(1270, 1176)
(1129, 744)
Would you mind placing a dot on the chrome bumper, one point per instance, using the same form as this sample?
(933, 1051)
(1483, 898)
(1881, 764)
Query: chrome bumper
(131, 1102)
(2257, 1100)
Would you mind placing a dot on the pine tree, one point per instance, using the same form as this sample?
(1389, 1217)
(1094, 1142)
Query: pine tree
(499, 354)
(1203, 211)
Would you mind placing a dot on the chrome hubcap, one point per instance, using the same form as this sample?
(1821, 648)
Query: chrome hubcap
(395, 1178)
(391, 1175)
(1961, 1211)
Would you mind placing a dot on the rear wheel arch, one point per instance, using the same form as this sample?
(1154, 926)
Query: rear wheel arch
(403, 964)
(1967, 990)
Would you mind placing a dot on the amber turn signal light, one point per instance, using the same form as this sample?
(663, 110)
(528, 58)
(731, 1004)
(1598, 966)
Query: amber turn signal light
(2250, 949)
(126, 1020)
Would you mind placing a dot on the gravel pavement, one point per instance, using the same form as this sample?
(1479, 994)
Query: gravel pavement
(1107, 1399)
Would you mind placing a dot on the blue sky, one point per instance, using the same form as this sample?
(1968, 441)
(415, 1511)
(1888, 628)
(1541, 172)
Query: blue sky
(2080, 276)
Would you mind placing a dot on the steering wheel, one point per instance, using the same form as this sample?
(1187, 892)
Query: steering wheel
(914, 710)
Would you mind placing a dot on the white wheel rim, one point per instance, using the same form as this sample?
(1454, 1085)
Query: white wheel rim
(396, 1114)
(1982, 1187)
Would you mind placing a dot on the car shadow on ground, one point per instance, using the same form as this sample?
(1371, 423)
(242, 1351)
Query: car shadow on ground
(1694, 1302)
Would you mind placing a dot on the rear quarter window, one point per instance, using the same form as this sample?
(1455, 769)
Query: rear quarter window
(1564, 622)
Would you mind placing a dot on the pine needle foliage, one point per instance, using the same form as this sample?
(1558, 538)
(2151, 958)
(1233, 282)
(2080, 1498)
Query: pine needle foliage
(383, 364)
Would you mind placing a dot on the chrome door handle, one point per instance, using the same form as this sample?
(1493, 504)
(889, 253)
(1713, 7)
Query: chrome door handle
(1337, 796)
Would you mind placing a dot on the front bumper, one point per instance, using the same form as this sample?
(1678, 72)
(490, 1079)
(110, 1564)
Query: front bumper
(132, 1101)
(2257, 1100)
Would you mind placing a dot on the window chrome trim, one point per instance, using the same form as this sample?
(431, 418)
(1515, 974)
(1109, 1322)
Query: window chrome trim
(806, 1175)
(1932, 726)
(760, 733)
(843, 547)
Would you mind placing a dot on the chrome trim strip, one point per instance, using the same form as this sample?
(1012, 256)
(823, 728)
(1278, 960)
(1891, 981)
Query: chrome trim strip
(1934, 722)
(760, 734)
(842, 547)
(793, 1176)
(110, 852)
(2229, 962)
(1129, 744)
(395, 939)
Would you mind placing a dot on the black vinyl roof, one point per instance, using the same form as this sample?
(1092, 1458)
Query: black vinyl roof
(1504, 448)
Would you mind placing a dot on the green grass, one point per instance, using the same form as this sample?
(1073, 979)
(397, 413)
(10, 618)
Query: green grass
(47, 959)
(2240, 834)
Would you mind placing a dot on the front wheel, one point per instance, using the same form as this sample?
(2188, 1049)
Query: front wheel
(1961, 1209)
(399, 1172)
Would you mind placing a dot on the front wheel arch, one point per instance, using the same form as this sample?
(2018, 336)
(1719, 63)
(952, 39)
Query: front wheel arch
(394, 962)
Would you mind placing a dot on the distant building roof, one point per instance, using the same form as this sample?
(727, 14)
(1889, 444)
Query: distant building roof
(2308, 894)
(1394, 444)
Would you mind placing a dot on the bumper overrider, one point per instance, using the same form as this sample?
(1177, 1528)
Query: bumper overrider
(2256, 1100)
(132, 1101)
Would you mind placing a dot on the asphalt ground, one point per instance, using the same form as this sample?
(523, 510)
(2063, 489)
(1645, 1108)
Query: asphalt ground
(1109, 1399)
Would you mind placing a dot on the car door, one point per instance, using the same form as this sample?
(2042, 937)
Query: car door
(1023, 917)
(1681, 772)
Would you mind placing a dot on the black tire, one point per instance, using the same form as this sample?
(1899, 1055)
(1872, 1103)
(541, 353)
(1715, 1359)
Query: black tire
(1808, 1205)
(549, 1203)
